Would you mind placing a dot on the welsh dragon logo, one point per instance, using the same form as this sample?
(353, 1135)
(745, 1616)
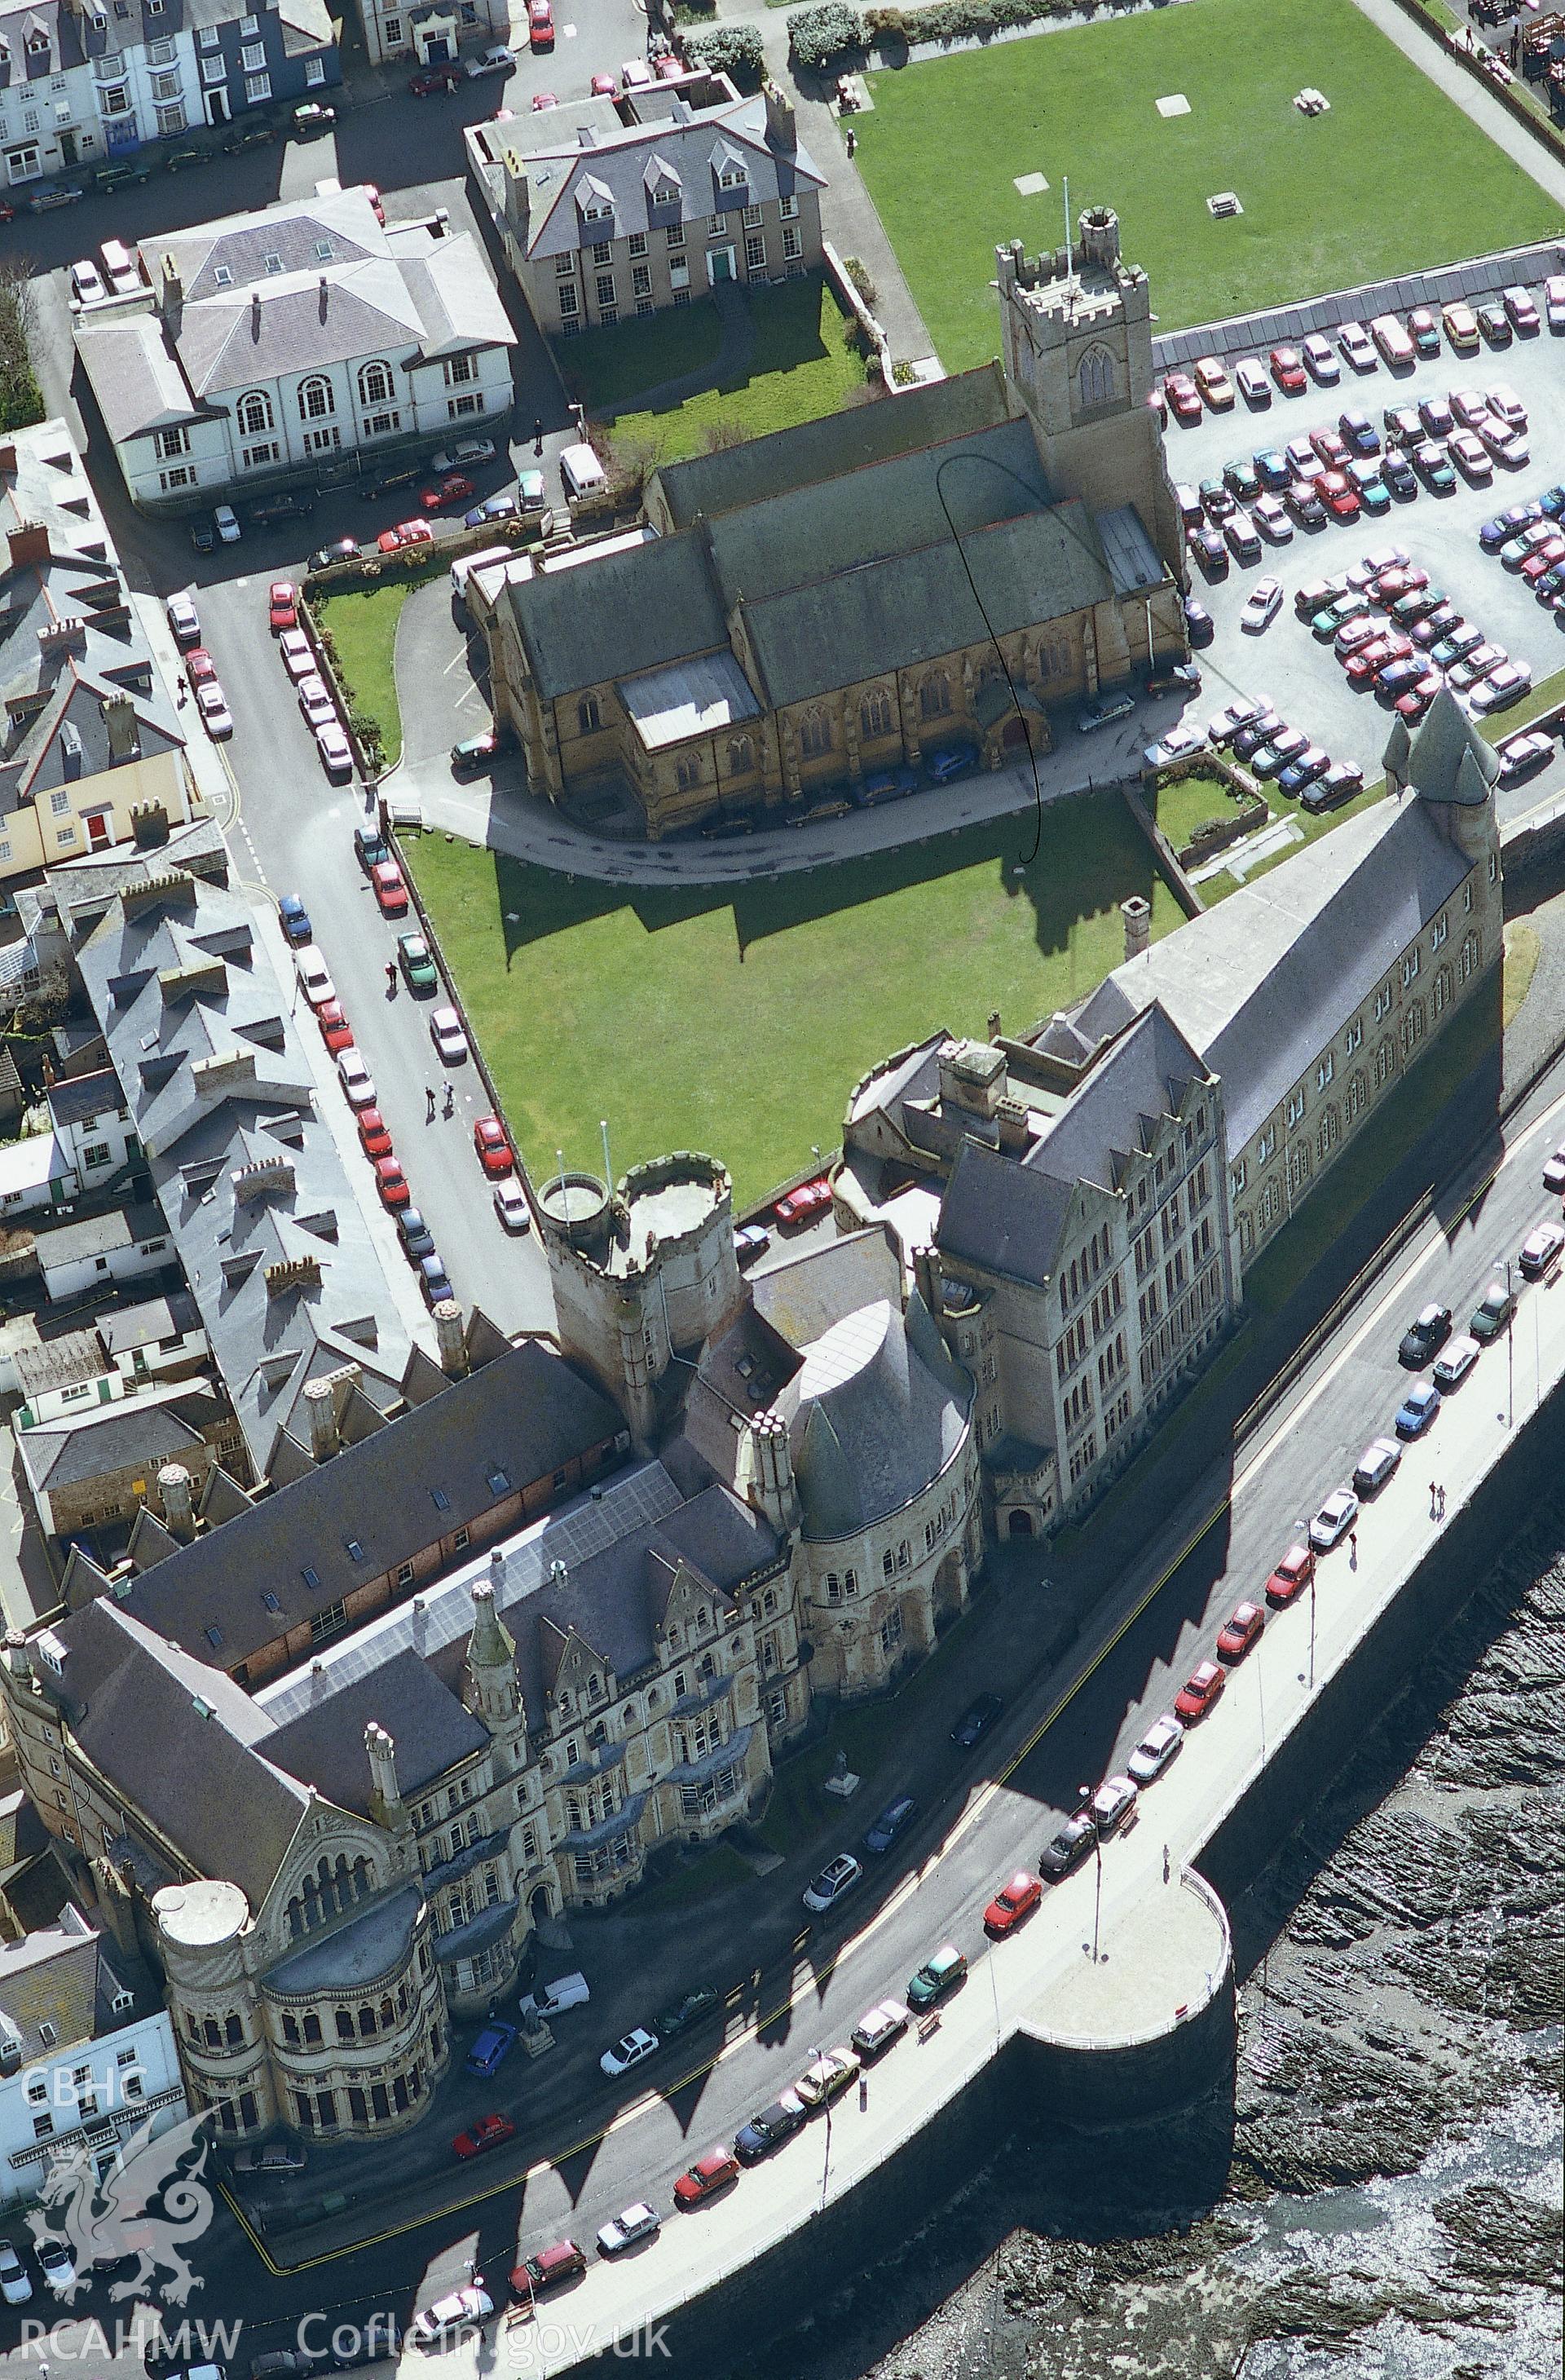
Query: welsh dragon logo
(149, 2205)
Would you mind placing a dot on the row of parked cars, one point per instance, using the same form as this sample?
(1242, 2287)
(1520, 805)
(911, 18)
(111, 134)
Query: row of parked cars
(1214, 386)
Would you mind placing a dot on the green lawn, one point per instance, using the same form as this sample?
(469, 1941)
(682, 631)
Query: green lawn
(1322, 209)
(739, 1022)
(362, 625)
(1180, 805)
(800, 367)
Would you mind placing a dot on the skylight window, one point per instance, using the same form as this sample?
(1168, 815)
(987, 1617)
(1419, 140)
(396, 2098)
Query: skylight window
(273, 263)
(223, 276)
(311, 1579)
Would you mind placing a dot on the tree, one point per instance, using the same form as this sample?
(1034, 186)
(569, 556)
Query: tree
(21, 400)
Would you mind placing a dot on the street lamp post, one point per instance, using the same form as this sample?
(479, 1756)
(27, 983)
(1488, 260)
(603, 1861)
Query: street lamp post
(815, 2057)
(1510, 1348)
(1304, 1537)
(1084, 1795)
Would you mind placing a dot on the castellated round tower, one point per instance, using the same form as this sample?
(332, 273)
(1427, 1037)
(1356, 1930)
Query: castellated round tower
(640, 1276)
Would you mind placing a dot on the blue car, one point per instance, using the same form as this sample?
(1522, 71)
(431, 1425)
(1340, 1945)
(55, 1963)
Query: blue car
(889, 785)
(951, 760)
(1417, 1409)
(891, 1822)
(1507, 524)
(496, 508)
(295, 918)
(1552, 502)
(491, 2049)
(1200, 627)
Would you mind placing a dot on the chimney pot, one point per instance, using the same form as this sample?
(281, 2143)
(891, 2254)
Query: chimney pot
(1137, 915)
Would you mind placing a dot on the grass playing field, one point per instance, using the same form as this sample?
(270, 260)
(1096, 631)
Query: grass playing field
(738, 1023)
(1393, 178)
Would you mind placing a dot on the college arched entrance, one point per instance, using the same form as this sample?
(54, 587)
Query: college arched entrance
(1020, 1524)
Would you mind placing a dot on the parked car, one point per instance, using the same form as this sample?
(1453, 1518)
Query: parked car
(1376, 1465)
(1541, 1248)
(631, 2050)
(282, 611)
(56, 2263)
(1288, 371)
(878, 2028)
(434, 1281)
(1112, 1804)
(374, 1137)
(1200, 1690)
(355, 1079)
(183, 620)
(344, 549)
(1102, 711)
(496, 59)
(1423, 1337)
(316, 706)
(809, 1198)
(391, 1185)
(1320, 361)
(1261, 606)
(492, 2046)
(488, 2133)
(293, 918)
(697, 2004)
(714, 2172)
(314, 979)
(1417, 1410)
(976, 1721)
(545, 2269)
(1356, 345)
(769, 2129)
(893, 1821)
(390, 890)
(1333, 1520)
(297, 658)
(216, 717)
(1493, 1311)
(336, 759)
(827, 2077)
(1290, 1577)
(1343, 780)
(462, 2310)
(837, 1877)
(1016, 1900)
(1160, 1745)
(450, 1040)
(939, 1975)
(1453, 1365)
(15, 2286)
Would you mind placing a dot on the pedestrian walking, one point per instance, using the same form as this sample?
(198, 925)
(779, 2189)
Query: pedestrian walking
(537, 436)
(1442, 1510)
(1167, 1868)
(1353, 1549)
(450, 1099)
(430, 1109)
(1434, 1499)
(853, 140)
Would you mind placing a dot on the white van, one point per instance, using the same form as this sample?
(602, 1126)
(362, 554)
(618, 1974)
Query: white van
(582, 473)
(467, 562)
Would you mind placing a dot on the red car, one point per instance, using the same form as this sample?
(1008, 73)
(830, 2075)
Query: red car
(374, 1137)
(391, 1183)
(1200, 1690)
(1364, 665)
(1013, 1902)
(199, 667)
(452, 489)
(604, 86)
(493, 1149)
(1292, 1574)
(809, 1198)
(377, 205)
(385, 878)
(335, 1030)
(1338, 493)
(285, 611)
(1235, 1638)
(1402, 578)
(713, 2172)
(434, 79)
(1416, 700)
(1332, 448)
(487, 2133)
(541, 25)
(1183, 396)
(411, 532)
(1288, 372)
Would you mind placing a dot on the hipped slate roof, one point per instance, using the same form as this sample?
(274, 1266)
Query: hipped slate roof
(632, 611)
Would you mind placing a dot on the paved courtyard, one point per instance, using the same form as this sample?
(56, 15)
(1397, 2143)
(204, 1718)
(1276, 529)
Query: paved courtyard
(1440, 532)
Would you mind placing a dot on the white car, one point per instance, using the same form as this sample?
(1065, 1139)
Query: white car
(445, 1032)
(314, 981)
(314, 701)
(466, 2308)
(1270, 516)
(1376, 1464)
(1261, 606)
(1175, 746)
(1455, 1361)
(1507, 406)
(632, 2224)
(564, 1992)
(1235, 715)
(226, 522)
(1358, 347)
(87, 283)
(1158, 1747)
(636, 2046)
(496, 59)
(879, 2027)
(212, 704)
(184, 619)
(1320, 361)
(355, 1077)
(511, 1205)
(15, 2286)
(1554, 301)
(464, 456)
(838, 1876)
(57, 2264)
(1254, 385)
(1540, 1250)
(1112, 1803)
(337, 752)
(273, 2157)
(297, 659)
(1554, 1173)
(1333, 1520)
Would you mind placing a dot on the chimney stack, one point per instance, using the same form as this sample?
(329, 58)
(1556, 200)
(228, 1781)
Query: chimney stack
(924, 1279)
(29, 541)
(774, 1492)
(173, 286)
(123, 728)
(255, 313)
(1137, 915)
(174, 1494)
(387, 1797)
(782, 125)
(325, 1438)
(451, 1339)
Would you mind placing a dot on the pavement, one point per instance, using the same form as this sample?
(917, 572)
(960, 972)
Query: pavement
(1466, 92)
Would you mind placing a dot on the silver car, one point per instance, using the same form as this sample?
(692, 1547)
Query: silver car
(1161, 1744)
(1333, 1520)
(1376, 1464)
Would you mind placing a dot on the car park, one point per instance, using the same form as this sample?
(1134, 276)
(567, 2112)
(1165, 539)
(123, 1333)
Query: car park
(1112, 1804)
(940, 1974)
(1417, 1410)
(15, 2286)
(355, 1079)
(878, 2028)
(56, 2263)
(976, 1721)
(1493, 1312)
(1161, 1744)
(1503, 686)
(1333, 1520)
(629, 2229)
(462, 2310)
(1376, 1465)
(1017, 1900)
(631, 2050)
(1341, 782)
(837, 1877)
(827, 2077)
(1067, 1850)
(893, 1821)
(488, 2133)
(716, 2171)
(545, 2269)
(1261, 606)
(1452, 1365)
(1540, 1250)
(1291, 1575)
(768, 2131)
(1200, 1690)
(1238, 1634)
(1320, 361)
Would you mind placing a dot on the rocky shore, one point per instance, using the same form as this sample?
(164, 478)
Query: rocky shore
(1383, 2195)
